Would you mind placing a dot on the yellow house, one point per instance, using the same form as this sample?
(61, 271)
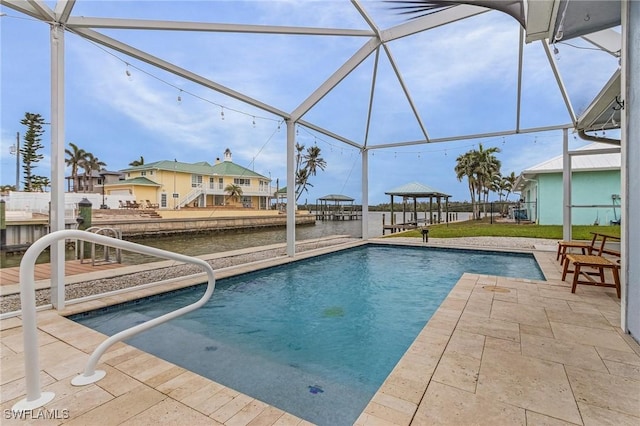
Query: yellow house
(172, 185)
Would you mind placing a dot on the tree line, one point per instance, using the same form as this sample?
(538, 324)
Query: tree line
(481, 168)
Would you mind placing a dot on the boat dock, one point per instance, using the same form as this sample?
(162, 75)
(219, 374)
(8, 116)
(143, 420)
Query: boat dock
(338, 215)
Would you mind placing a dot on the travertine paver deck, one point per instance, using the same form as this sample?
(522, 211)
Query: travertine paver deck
(497, 351)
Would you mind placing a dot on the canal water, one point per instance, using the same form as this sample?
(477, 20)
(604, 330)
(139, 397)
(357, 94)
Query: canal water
(217, 242)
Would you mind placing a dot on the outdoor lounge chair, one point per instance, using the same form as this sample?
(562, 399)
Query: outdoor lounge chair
(596, 246)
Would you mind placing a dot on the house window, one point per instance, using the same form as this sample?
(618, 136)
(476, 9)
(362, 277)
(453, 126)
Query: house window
(143, 173)
(163, 200)
(150, 172)
(212, 183)
(220, 183)
(242, 181)
(196, 181)
(128, 175)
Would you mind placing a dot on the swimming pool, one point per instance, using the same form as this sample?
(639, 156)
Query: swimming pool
(317, 337)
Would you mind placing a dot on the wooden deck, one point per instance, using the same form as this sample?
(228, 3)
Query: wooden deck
(11, 276)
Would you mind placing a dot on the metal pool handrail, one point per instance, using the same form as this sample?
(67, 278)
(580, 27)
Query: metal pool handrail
(35, 398)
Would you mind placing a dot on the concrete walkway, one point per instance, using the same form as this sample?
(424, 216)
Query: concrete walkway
(497, 351)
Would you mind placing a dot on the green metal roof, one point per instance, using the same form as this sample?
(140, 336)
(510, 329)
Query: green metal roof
(415, 189)
(135, 181)
(223, 168)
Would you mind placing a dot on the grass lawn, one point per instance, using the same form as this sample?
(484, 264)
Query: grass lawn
(482, 228)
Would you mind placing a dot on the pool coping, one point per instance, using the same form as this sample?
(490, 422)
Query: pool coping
(440, 362)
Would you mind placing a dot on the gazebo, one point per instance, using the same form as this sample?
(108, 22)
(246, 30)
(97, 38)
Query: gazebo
(332, 207)
(417, 190)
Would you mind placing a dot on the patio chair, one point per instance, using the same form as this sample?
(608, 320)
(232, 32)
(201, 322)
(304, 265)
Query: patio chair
(584, 246)
(599, 263)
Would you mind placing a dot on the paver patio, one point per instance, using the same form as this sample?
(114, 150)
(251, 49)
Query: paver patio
(497, 351)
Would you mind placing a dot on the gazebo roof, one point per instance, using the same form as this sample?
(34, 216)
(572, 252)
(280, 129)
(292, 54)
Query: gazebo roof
(415, 189)
(335, 197)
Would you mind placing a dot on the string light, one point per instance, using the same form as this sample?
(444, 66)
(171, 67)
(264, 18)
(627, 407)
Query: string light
(180, 97)
(130, 76)
(253, 123)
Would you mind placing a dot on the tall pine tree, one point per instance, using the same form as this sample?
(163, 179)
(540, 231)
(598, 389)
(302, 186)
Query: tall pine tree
(29, 150)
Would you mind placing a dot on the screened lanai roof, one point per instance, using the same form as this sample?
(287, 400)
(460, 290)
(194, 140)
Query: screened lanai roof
(388, 53)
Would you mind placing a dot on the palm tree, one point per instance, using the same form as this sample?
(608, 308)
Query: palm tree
(139, 162)
(314, 161)
(233, 191)
(479, 167)
(90, 164)
(465, 167)
(75, 158)
(307, 165)
(508, 183)
(302, 182)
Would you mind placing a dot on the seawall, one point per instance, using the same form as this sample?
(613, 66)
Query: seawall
(191, 222)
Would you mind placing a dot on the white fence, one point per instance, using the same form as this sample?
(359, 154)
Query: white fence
(38, 202)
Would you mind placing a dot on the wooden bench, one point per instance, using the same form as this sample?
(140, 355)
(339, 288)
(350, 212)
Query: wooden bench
(599, 263)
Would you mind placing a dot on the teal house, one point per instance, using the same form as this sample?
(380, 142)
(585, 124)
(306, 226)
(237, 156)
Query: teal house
(595, 189)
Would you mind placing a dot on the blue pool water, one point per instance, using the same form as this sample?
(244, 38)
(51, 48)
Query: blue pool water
(317, 337)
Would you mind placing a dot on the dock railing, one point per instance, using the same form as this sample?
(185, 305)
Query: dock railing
(35, 397)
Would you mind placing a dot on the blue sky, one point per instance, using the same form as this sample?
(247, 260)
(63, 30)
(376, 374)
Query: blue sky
(462, 78)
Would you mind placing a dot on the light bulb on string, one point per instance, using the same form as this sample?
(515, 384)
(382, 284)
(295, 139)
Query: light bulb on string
(128, 73)
(222, 113)
(253, 123)
(180, 97)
